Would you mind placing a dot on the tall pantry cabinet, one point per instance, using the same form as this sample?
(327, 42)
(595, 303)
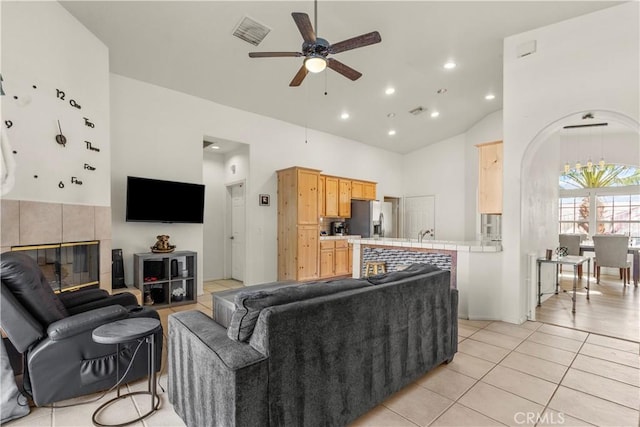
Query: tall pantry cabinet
(298, 224)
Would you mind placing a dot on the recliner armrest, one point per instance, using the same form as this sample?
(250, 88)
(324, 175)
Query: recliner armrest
(124, 299)
(82, 296)
(87, 321)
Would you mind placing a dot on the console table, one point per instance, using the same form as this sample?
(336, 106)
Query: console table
(572, 260)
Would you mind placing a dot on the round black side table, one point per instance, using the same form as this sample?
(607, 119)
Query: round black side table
(123, 331)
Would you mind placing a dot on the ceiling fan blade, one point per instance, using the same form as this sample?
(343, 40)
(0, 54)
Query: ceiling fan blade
(345, 70)
(304, 25)
(273, 54)
(299, 77)
(355, 42)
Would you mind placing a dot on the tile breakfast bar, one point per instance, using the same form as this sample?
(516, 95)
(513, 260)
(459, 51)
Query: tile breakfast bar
(472, 265)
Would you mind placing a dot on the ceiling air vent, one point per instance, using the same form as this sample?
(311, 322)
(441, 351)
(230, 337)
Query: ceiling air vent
(251, 31)
(417, 110)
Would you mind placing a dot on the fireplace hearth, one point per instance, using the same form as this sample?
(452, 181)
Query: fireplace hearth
(67, 266)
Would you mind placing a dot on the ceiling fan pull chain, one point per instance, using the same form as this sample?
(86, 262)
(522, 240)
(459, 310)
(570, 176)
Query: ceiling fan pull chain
(325, 84)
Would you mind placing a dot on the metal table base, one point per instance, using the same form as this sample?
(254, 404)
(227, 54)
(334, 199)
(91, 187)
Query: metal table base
(149, 337)
(573, 260)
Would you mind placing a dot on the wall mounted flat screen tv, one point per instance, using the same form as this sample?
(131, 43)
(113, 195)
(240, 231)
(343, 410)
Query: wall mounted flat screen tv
(154, 200)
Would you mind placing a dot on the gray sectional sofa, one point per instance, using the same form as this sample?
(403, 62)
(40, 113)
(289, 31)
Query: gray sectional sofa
(318, 354)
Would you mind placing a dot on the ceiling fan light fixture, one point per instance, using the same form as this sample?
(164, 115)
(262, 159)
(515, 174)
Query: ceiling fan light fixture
(315, 64)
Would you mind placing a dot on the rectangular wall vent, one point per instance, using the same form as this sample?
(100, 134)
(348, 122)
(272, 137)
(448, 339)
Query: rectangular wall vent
(526, 49)
(251, 31)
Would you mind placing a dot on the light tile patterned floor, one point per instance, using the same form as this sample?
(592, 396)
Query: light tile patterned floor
(503, 374)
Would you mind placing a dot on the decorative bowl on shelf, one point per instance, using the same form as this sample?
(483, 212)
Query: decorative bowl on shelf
(163, 251)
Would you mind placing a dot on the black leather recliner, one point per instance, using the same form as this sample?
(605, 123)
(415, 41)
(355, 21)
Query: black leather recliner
(53, 332)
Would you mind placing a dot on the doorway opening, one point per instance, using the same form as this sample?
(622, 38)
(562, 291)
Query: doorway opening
(551, 152)
(235, 226)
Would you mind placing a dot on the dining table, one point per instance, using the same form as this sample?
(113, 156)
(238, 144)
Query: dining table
(634, 249)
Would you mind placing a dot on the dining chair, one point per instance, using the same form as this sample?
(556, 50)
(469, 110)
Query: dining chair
(572, 243)
(611, 251)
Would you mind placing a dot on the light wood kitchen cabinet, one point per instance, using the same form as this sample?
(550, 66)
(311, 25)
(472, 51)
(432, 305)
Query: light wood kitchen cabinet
(307, 199)
(370, 191)
(321, 191)
(298, 228)
(331, 195)
(327, 263)
(307, 252)
(344, 198)
(334, 258)
(363, 190)
(357, 190)
(341, 258)
(490, 177)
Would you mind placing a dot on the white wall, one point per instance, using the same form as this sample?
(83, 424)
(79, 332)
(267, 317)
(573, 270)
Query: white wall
(158, 133)
(44, 46)
(587, 63)
(439, 170)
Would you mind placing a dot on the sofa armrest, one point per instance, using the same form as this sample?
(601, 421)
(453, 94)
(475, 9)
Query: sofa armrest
(82, 322)
(214, 380)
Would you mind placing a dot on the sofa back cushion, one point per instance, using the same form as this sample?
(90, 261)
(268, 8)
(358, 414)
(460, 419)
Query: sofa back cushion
(250, 303)
(21, 274)
(334, 357)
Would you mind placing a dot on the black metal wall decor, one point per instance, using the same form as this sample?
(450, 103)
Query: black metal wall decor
(74, 130)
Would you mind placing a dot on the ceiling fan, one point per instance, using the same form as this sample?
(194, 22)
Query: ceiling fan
(315, 51)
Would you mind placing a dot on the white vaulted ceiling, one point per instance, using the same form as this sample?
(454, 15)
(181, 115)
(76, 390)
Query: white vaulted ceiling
(189, 47)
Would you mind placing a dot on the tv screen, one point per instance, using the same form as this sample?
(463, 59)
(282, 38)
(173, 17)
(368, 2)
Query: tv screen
(154, 200)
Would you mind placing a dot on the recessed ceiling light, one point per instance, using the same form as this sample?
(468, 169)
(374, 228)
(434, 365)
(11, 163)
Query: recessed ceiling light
(391, 115)
(214, 147)
(489, 97)
(435, 114)
(450, 65)
(390, 90)
(392, 132)
(344, 116)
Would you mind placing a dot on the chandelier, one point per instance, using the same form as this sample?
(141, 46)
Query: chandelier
(590, 167)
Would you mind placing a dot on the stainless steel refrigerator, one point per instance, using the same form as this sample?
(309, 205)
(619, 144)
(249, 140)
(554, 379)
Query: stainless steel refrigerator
(371, 218)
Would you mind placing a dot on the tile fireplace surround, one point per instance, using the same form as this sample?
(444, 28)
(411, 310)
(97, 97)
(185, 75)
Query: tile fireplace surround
(34, 223)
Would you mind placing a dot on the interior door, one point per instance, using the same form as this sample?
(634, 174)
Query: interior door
(237, 231)
(419, 214)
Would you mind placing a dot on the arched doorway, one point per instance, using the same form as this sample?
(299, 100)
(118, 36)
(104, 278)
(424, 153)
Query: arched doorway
(542, 163)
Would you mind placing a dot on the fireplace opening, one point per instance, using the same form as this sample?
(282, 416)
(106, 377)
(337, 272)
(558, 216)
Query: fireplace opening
(67, 266)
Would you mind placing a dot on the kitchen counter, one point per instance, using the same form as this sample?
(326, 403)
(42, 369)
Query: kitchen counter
(474, 266)
(464, 246)
(349, 236)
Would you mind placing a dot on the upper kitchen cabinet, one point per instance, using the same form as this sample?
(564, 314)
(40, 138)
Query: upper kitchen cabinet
(307, 196)
(321, 185)
(363, 190)
(298, 229)
(344, 198)
(331, 194)
(490, 177)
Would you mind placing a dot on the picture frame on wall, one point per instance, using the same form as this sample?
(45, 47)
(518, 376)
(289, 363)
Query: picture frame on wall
(264, 200)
